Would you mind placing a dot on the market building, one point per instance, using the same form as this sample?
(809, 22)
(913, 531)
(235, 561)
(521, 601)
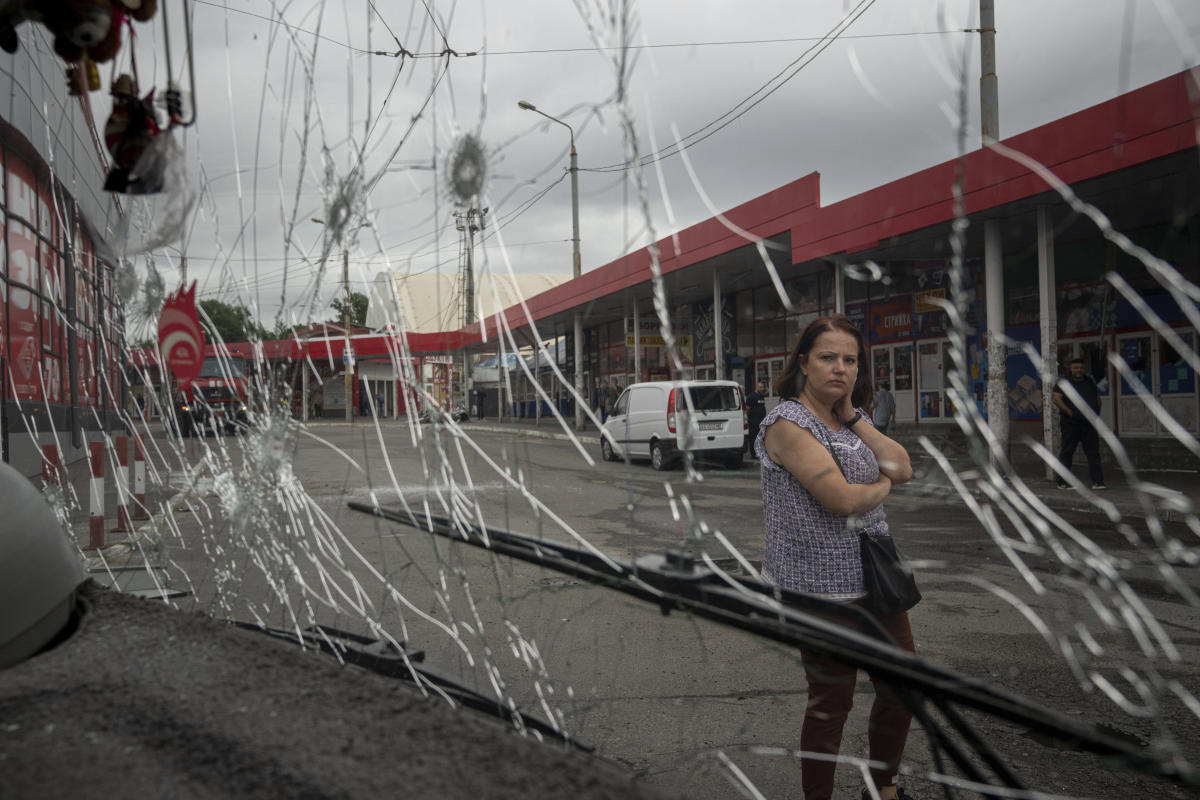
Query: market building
(61, 323)
(884, 257)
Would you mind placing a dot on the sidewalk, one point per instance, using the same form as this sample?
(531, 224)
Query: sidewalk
(1174, 495)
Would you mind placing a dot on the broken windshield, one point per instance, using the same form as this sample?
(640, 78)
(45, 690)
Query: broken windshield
(436, 244)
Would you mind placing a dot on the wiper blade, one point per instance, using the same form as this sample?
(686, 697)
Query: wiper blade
(674, 582)
(384, 658)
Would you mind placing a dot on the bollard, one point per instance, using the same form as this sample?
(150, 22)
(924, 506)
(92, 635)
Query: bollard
(122, 482)
(139, 480)
(52, 469)
(96, 496)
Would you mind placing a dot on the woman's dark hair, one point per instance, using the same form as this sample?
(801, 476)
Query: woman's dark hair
(791, 380)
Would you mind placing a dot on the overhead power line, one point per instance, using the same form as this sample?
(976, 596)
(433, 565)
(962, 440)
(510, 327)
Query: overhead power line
(760, 94)
(729, 43)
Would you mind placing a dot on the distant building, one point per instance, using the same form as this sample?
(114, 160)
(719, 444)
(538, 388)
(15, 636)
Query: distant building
(433, 302)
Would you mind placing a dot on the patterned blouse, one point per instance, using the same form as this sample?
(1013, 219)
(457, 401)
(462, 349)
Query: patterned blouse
(808, 548)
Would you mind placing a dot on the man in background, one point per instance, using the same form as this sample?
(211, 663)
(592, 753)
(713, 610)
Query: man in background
(1076, 429)
(884, 411)
(756, 411)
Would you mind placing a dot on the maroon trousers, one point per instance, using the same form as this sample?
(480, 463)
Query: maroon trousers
(830, 696)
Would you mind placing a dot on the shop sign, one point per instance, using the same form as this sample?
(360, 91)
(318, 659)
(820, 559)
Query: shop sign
(925, 300)
(891, 320)
(656, 340)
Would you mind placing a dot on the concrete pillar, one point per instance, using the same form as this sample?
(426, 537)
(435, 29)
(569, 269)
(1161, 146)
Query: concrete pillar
(839, 288)
(718, 324)
(637, 341)
(1047, 302)
(305, 400)
(997, 385)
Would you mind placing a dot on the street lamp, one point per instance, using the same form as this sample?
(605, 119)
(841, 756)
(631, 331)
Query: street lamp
(577, 271)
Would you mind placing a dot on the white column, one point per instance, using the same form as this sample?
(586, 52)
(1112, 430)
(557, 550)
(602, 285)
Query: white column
(997, 386)
(304, 398)
(839, 288)
(1047, 302)
(718, 350)
(637, 342)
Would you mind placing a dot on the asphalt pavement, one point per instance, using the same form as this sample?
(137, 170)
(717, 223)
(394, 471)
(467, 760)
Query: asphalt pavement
(689, 689)
(1172, 495)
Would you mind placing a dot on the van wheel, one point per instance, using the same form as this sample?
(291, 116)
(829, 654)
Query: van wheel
(606, 450)
(658, 457)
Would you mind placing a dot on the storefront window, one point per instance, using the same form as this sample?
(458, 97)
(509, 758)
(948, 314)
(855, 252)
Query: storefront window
(1175, 375)
(744, 305)
(770, 327)
(813, 292)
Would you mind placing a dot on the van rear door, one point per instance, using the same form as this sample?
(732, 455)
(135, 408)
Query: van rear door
(711, 415)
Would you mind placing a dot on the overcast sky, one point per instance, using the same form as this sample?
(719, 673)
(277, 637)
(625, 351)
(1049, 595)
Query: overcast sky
(286, 91)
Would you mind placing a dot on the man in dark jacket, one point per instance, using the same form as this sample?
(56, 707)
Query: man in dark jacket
(1076, 429)
(756, 411)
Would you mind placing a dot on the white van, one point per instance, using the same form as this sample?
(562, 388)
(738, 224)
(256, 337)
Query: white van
(662, 419)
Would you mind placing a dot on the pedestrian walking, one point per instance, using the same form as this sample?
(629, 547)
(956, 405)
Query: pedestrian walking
(809, 496)
(1076, 429)
(480, 401)
(756, 409)
(883, 411)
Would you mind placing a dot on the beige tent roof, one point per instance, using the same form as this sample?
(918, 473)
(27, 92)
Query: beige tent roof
(433, 301)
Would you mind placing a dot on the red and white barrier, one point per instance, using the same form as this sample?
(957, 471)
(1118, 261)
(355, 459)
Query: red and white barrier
(122, 483)
(139, 480)
(52, 468)
(96, 496)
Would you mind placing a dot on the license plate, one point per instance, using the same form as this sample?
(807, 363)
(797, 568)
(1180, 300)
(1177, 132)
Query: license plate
(711, 425)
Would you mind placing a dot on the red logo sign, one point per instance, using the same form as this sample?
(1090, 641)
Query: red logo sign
(180, 338)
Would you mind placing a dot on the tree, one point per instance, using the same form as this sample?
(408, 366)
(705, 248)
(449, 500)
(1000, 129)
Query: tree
(358, 308)
(231, 323)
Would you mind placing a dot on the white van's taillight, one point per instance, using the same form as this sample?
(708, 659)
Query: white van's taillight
(671, 412)
(745, 411)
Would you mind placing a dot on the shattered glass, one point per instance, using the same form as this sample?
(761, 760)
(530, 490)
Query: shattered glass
(371, 128)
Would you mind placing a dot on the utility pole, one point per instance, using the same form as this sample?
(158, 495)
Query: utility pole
(473, 222)
(989, 93)
(993, 254)
(576, 272)
(469, 222)
(347, 353)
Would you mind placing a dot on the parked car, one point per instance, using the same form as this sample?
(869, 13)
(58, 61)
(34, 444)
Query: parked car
(662, 420)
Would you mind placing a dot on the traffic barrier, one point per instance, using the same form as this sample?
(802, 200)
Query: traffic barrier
(139, 480)
(52, 468)
(96, 496)
(122, 482)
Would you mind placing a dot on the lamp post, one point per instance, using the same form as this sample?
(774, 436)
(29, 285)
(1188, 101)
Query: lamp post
(576, 271)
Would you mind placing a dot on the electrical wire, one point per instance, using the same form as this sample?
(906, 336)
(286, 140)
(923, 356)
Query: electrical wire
(749, 102)
(729, 43)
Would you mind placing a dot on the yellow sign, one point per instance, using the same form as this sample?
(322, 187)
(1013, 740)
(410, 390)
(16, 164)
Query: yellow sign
(655, 340)
(923, 306)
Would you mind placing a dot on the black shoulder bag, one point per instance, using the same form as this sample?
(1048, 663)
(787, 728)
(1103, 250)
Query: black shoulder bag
(888, 580)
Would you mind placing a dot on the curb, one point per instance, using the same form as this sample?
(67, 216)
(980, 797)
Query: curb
(587, 437)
